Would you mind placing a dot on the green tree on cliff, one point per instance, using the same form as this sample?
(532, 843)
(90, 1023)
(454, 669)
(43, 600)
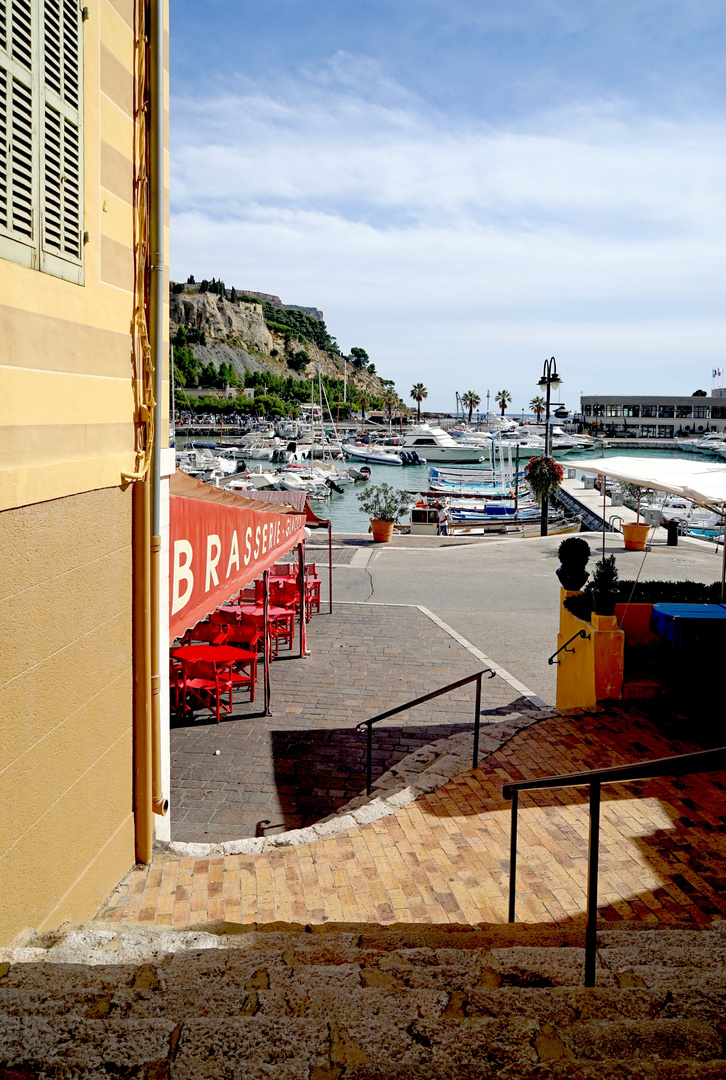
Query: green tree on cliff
(359, 357)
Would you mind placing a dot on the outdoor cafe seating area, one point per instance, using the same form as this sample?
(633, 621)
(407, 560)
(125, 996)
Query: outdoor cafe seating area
(222, 655)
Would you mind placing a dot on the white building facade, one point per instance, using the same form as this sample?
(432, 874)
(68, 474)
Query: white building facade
(653, 417)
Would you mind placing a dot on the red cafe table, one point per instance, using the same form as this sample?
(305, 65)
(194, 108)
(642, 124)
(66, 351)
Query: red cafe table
(281, 620)
(220, 657)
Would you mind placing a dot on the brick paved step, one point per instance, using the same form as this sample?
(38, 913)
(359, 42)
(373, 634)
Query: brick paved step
(365, 1004)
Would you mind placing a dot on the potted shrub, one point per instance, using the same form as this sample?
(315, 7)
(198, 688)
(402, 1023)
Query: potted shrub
(604, 581)
(573, 554)
(635, 532)
(384, 504)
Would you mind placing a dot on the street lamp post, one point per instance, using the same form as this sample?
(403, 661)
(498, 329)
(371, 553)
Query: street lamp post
(550, 381)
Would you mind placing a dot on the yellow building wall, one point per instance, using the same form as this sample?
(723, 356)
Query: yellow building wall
(66, 828)
(69, 373)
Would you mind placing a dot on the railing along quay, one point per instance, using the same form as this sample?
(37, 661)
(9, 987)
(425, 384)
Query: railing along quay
(681, 765)
(368, 724)
(590, 519)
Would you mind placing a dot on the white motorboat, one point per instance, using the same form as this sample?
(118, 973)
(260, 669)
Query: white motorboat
(371, 453)
(201, 460)
(436, 445)
(240, 486)
(529, 445)
(713, 443)
(261, 479)
(482, 439)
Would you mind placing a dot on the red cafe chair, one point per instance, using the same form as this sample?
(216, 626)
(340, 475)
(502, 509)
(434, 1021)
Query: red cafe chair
(207, 684)
(213, 632)
(176, 684)
(282, 628)
(243, 672)
(312, 587)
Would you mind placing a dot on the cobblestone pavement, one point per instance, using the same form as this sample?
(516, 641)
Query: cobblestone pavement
(318, 554)
(444, 858)
(305, 761)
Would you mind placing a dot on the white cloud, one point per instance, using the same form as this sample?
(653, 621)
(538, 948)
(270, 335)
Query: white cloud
(458, 252)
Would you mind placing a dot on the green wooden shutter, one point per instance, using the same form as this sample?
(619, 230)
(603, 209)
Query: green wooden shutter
(18, 141)
(61, 165)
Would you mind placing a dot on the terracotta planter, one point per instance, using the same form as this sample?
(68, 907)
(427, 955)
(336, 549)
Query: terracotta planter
(382, 531)
(636, 535)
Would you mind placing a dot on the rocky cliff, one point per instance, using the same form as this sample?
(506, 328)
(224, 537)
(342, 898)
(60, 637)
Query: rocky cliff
(236, 333)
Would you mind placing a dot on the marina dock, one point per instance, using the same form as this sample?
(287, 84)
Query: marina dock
(592, 505)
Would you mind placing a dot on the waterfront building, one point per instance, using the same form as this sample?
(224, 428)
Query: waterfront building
(653, 416)
(82, 239)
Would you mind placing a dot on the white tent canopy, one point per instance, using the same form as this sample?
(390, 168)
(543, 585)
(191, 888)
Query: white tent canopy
(703, 483)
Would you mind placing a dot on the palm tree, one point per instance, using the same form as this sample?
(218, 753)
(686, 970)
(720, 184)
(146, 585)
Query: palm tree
(418, 393)
(364, 401)
(538, 406)
(390, 400)
(471, 400)
(503, 398)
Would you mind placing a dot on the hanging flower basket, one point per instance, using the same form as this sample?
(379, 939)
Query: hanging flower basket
(544, 475)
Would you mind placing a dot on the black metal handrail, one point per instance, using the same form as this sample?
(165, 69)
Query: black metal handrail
(681, 765)
(580, 633)
(420, 701)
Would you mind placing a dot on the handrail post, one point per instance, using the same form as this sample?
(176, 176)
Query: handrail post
(369, 756)
(477, 722)
(513, 856)
(593, 849)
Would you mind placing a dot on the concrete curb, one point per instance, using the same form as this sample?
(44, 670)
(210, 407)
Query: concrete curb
(421, 772)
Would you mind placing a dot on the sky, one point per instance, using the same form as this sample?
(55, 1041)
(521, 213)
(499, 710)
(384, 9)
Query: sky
(465, 187)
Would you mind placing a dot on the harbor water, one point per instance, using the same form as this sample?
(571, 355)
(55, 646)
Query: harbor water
(347, 517)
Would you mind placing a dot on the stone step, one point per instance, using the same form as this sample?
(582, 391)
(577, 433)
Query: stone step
(236, 1045)
(364, 1003)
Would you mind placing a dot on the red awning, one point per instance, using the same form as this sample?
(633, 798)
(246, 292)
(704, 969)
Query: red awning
(218, 543)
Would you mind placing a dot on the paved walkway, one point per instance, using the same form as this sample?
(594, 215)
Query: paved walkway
(444, 858)
(291, 769)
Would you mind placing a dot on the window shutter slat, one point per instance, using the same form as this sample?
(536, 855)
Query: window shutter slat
(4, 148)
(61, 49)
(21, 40)
(52, 171)
(21, 159)
(61, 159)
(71, 191)
(71, 52)
(52, 45)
